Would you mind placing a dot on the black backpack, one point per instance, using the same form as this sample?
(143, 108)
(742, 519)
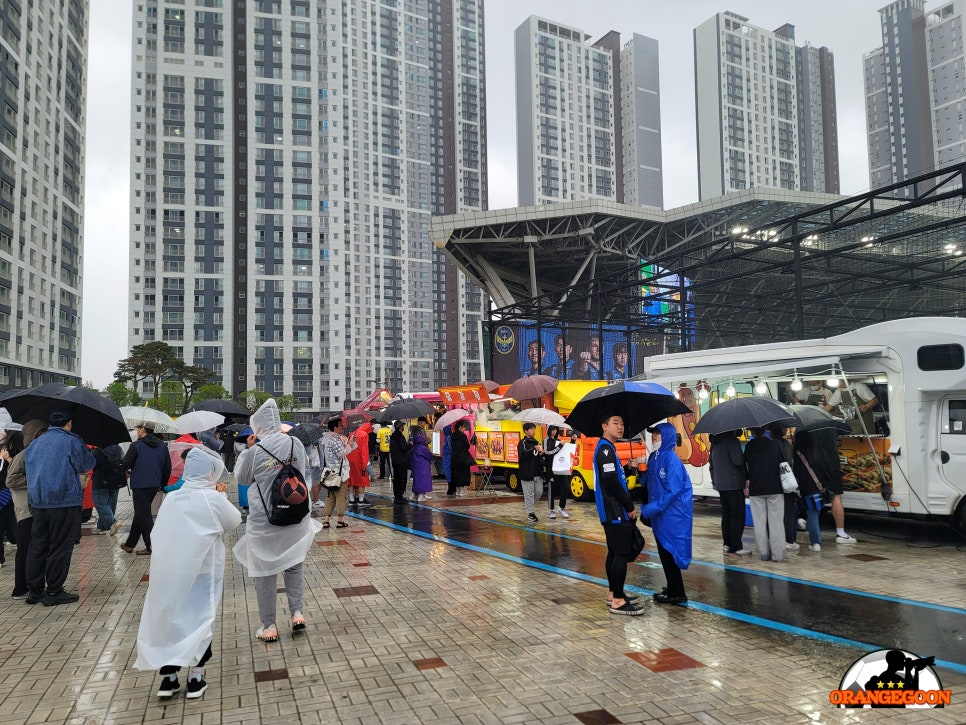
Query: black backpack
(114, 474)
(289, 497)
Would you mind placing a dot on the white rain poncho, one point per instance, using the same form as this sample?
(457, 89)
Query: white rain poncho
(188, 567)
(266, 549)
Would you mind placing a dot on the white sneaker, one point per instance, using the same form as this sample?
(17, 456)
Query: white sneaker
(801, 524)
(845, 540)
(427, 497)
(814, 547)
(562, 513)
(320, 504)
(792, 547)
(743, 552)
(421, 497)
(551, 515)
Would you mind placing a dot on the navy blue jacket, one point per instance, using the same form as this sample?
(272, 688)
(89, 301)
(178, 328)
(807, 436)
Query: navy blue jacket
(149, 462)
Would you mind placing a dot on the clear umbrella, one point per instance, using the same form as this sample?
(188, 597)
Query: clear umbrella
(199, 420)
(136, 415)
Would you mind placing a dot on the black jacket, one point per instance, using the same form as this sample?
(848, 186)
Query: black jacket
(727, 464)
(399, 448)
(530, 461)
(149, 462)
(462, 460)
(763, 457)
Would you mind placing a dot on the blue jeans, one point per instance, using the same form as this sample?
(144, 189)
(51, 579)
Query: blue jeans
(105, 501)
(811, 526)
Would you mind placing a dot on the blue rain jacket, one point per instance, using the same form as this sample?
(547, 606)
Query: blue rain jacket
(669, 499)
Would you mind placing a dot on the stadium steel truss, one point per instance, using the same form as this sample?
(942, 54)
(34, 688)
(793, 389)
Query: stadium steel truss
(752, 266)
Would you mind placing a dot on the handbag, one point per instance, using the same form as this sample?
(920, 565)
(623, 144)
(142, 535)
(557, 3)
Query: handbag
(789, 484)
(332, 479)
(637, 539)
(562, 462)
(825, 494)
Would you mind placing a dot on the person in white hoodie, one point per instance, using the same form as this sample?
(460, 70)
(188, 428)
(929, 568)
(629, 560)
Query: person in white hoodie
(185, 585)
(266, 549)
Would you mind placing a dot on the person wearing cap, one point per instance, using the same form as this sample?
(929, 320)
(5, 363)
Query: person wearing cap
(399, 449)
(56, 463)
(149, 462)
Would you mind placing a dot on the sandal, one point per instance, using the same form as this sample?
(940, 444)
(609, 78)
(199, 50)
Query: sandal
(341, 525)
(267, 634)
(325, 524)
(298, 621)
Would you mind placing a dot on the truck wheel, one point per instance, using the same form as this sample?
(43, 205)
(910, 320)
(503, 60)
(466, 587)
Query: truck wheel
(513, 482)
(579, 489)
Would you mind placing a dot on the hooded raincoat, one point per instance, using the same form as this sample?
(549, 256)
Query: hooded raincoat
(185, 585)
(669, 499)
(421, 463)
(358, 456)
(266, 549)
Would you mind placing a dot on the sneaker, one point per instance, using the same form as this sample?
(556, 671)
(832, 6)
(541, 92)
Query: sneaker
(421, 497)
(19, 595)
(298, 621)
(267, 634)
(792, 547)
(664, 598)
(740, 552)
(628, 609)
(726, 548)
(169, 687)
(115, 528)
(814, 547)
(196, 683)
(845, 540)
(427, 497)
(33, 598)
(801, 524)
(532, 517)
(551, 515)
(352, 499)
(101, 532)
(364, 503)
(52, 600)
(562, 513)
(318, 504)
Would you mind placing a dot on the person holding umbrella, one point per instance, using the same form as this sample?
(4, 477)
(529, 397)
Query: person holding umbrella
(530, 457)
(669, 507)
(399, 449)
(54, 464)
(462, 460)
(617, 515)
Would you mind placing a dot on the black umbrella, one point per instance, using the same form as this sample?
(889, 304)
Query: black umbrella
(404, 410)
(740, 413)
(308, 433)
(96, 419)
(639, 403)
(228, 408)
(814, 418)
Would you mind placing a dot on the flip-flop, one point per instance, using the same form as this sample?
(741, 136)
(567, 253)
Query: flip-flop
(341, 525)
(325, 524)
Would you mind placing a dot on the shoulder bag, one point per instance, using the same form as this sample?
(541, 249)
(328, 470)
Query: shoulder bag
(823, 493)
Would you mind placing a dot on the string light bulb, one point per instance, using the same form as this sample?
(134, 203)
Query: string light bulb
(761, 388)
(730, 390)
(796, 383)
(833, 380)
(703, 389)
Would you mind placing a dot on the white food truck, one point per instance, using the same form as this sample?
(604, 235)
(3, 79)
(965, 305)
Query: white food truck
(909, 458)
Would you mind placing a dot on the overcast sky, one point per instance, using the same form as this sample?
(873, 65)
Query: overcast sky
(848, 27)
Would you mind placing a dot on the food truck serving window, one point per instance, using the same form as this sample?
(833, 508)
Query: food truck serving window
(941, 357)
(957, 417)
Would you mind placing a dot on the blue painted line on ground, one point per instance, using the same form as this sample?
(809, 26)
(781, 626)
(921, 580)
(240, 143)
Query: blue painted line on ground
(710, 609)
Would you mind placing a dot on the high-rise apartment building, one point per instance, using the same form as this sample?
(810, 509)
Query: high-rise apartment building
(897, 97)
(287, 157)
(756, 117)
(44, 65)
(588, 116)
(945, 29)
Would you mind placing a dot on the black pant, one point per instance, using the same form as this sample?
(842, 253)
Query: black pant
(52, 542)
(675, 582)
(385, 465)
(732, 518)
(400, 473)
(143, 522)
(24, 528)
(171, 669)
(619, 543)
(559, 486)
(791, 517)
(8, 527)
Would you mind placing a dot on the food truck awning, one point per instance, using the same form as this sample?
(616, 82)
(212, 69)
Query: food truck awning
(569, 392)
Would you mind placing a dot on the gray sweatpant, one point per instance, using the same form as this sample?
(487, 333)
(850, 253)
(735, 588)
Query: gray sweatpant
(267, 593)
(768, 515)
(531, 493)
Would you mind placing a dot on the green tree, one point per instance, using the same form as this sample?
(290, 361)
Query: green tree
(191, 378)
(253, 399)
(211, 391)
(152, 361)
(121, 394)
(171, 398)
(287, 404)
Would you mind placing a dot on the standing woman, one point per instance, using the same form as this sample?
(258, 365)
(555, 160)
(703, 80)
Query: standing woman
(790, 516)
(461, 460)
(763, 456)
(728, 479)
(17, 483)
(399, 449)
(421, 462)
(266, 549)
(11, 446)
(552, 445)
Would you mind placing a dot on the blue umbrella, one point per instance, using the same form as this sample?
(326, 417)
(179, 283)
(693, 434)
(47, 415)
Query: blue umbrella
(639, 403)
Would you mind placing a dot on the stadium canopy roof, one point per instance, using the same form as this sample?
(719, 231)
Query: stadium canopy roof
(752, 266)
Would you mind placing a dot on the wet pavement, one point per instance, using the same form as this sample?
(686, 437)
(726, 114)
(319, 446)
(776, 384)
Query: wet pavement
(456, 611)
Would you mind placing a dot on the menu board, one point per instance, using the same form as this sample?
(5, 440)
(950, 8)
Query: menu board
(482, 445)
(496, 446)
(510, 442)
